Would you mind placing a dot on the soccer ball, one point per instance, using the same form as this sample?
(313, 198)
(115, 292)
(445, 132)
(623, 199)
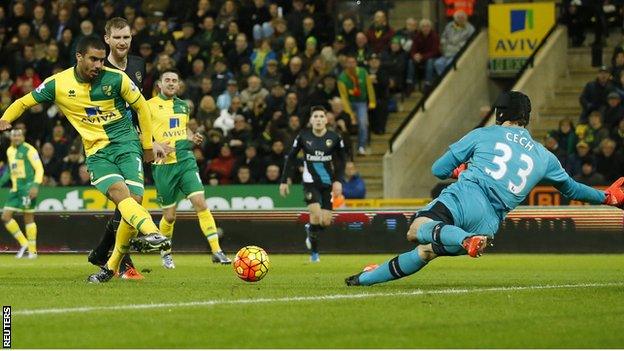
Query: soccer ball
(251, 263)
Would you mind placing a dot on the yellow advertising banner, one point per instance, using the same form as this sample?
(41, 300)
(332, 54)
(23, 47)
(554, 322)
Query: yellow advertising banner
(515, 31)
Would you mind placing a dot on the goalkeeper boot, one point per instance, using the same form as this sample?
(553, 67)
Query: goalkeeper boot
(220, 257)
(475, 245)
(102, 276)
(167, 261)
(96, 260)
(21, 251)
(127, 270)
(150, 243)
(354, 280)
(315, 257)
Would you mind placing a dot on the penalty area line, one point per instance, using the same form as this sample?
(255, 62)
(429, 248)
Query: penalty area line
(84, 309)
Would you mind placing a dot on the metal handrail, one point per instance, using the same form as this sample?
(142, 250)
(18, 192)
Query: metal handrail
(423, 99)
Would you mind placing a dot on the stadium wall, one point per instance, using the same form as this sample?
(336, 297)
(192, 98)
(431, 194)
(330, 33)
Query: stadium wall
(450, 112)
(528, 229)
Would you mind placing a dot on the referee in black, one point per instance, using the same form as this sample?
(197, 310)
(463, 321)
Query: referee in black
(118, 36)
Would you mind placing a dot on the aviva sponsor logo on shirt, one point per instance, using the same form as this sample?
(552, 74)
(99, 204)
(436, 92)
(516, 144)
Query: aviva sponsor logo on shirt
(94, 115)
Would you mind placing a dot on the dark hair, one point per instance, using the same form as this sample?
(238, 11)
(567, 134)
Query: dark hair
(170, 70)
(89, 42)
(317, 108)
(117, 23)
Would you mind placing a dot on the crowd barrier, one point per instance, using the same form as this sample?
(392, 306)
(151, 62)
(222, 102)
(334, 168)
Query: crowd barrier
(528, 229)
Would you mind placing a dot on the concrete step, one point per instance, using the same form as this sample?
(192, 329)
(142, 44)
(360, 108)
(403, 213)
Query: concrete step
(559, 102)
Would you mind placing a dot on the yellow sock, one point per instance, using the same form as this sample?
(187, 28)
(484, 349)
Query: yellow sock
(15, 230)
(137, 216)
(31, 234)
(166, 229)
(122, 244)
(209, 228)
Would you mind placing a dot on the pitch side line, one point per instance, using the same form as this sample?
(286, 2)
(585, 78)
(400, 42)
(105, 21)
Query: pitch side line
(304, 298)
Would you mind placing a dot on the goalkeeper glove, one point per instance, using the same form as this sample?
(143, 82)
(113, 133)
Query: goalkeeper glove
(457, 171)
(614, 193)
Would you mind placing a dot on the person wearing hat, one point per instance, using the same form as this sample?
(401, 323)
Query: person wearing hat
(225, 99)
(594, 95)
(309, 53)
(613, 112)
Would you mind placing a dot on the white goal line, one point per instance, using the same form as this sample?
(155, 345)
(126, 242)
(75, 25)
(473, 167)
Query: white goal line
(304, 298)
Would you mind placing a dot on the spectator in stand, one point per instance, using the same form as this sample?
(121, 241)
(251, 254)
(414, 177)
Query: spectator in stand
(308, 30)
(290, 74)
(379, 33)
(574, 20)
(225, 99)
(272, 174)
(257, 17)
(589, 176)
(272, 75)
(609, 163)
(261, 56)
(325, 92)
(454, 37)
(394, 62)
(253, 90)
(594, 95)
(222, 165)
(212, 146)
(595, 132)
(552, 145)
(277, 154)
(239, 136)
(295, 18)
(406, 34)
(617, 62)
(358, 96)
(304, 92)
(252, 162)
(229, 38)
(243, 176)
(309, 53)
(51, 165)
(348, 33)
(582, 153)
(59, 142)
(289, 51)
(362, 49)
(613, 111)
(381, 85)
(565, 136)
(291, 108)
(220, 77)
(201, 162)
(84, 178)
(66, 179)
(425, 49)
(72, 161)
(225, 122)
(207, 112)
(353, 186)
(618, 136)
(240, 54)
(290, 133)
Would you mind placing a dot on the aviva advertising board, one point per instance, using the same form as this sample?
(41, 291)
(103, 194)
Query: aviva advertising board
(515, 32)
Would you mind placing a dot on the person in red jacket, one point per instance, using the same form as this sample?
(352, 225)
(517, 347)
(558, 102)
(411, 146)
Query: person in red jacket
(379, 33)
(425, 47)
(222, 165)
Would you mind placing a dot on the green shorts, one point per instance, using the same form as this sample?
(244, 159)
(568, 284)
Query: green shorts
(174, 179)
(115, 162)
(19, 201)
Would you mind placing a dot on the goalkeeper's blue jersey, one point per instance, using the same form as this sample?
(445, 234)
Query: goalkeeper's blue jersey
(507, 163)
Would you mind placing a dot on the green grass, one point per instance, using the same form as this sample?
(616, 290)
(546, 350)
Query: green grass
(564, 317)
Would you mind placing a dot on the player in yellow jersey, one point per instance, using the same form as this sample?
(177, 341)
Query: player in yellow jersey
(93, 98)
(178, 173)
(26, 173)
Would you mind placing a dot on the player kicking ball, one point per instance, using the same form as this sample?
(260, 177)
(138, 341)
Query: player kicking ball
(320, 179)
(93, 98)
(178, 173)
(505, 163)
(26, 173)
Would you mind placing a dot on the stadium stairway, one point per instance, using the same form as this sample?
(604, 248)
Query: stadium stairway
(564, 102)
(371, 166)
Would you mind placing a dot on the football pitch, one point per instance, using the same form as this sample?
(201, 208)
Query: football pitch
(496, 301)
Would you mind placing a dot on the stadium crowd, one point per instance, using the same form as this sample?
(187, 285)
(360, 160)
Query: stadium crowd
(251, 69)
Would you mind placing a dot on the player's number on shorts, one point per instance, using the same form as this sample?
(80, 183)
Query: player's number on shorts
(501, 162)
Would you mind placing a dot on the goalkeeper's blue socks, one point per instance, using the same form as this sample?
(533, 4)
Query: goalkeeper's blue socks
(436, 232)
(398, 267)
